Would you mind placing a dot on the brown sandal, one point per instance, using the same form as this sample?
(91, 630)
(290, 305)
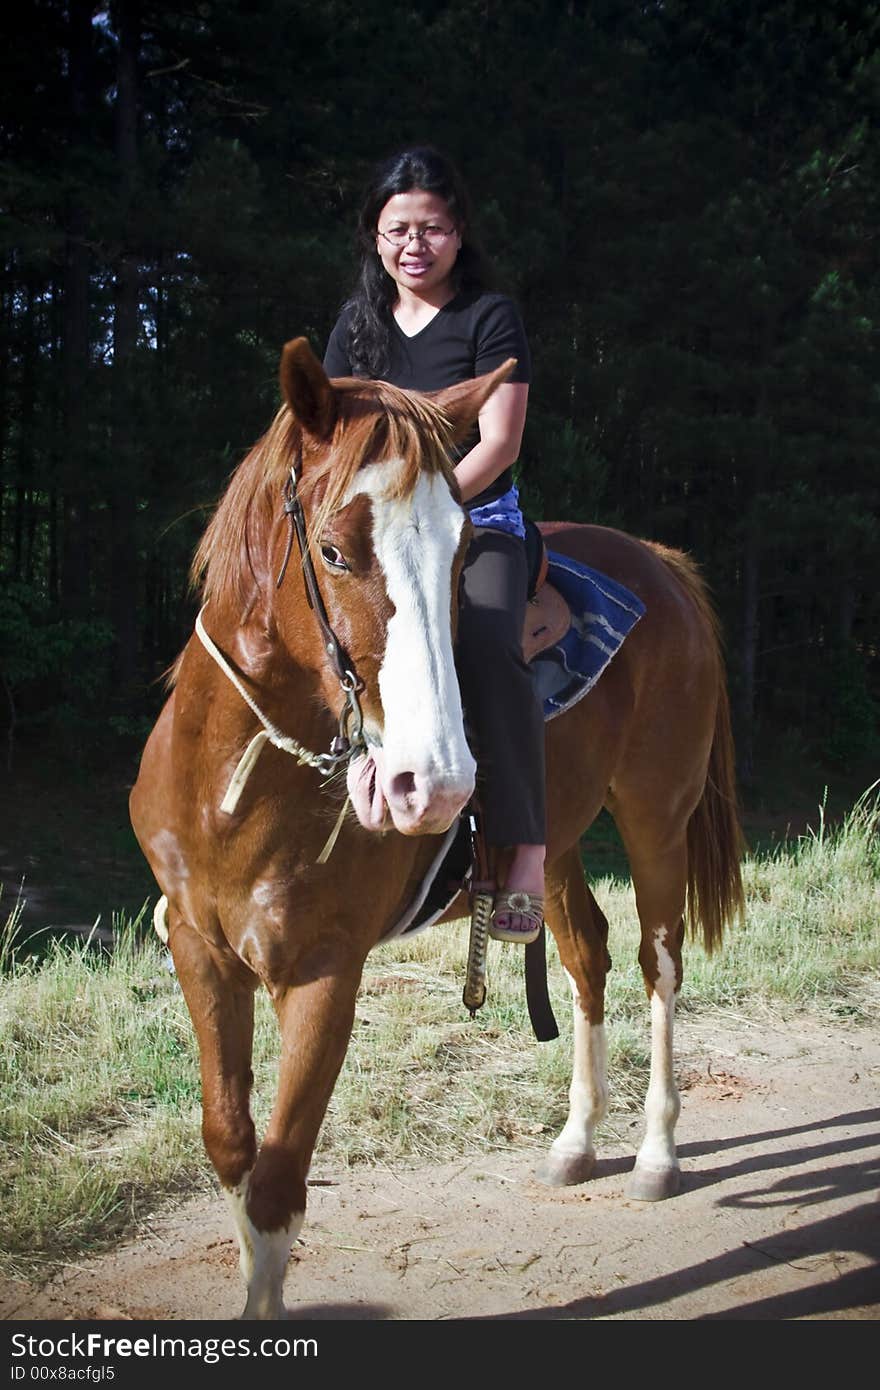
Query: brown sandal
(527, 905)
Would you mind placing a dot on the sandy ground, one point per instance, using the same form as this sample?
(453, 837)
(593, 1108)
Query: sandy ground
(778, 1217)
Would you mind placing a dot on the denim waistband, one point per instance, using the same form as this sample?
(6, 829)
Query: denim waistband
(501, 514)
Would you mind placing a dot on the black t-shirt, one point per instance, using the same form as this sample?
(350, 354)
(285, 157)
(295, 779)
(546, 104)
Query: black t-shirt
(472, 334)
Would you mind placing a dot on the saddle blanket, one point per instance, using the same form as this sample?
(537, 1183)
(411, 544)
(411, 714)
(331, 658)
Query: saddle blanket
(603, 613)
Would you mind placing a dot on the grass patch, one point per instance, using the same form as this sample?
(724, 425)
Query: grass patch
(100, 1098)
(99, 1071)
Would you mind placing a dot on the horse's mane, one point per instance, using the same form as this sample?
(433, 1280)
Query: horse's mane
(375, 421)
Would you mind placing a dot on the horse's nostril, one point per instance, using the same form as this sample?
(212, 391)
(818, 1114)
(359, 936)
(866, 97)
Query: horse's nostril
(403, 784)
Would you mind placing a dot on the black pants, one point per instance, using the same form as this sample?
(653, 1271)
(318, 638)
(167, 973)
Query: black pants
(501, 707)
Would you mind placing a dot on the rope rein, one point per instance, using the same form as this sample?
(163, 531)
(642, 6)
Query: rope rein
(324, 762)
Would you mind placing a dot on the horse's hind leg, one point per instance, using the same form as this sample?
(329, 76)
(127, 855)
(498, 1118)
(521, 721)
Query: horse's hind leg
(581, 934)
(659, 873)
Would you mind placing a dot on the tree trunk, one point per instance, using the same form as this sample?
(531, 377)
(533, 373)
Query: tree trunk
(75, 541)
(123, 503)
(751, 579)
(26, 416)
(5, 337)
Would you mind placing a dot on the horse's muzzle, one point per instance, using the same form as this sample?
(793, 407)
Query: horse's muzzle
(417, 804)
(421, 806)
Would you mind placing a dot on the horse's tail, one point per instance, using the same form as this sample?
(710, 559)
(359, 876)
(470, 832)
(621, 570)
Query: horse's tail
(715, 839)
(714, 836)
(160, 919)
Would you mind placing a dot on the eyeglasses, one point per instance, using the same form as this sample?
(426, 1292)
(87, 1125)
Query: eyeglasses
(401, 236)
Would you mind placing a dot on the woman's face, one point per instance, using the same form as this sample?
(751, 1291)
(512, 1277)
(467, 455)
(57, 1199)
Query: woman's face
(424, 263)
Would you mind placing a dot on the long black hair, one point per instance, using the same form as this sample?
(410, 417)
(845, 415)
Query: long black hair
(426, 170)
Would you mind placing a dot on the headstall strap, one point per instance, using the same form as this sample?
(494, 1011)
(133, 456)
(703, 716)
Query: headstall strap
(350, 735)
(293, 508)
(349, 739)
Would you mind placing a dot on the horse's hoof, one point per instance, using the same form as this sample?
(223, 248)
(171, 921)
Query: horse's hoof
(565, 1170)
(653, 1184)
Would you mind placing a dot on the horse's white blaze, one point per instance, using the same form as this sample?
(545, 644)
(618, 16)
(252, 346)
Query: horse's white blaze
(588, 1095)
(262, 1256)
(662, 1104)
(415, 540)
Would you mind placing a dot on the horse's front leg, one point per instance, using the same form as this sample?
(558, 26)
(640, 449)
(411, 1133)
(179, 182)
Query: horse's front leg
(219, 993)
(315, 1013)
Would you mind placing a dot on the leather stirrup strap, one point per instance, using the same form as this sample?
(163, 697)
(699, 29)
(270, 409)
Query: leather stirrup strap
(544, 1025)
(537, 998)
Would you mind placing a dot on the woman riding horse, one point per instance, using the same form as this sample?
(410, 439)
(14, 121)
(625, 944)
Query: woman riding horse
(423, 317)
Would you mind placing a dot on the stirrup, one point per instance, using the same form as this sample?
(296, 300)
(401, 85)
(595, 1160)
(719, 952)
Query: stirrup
(527, 905)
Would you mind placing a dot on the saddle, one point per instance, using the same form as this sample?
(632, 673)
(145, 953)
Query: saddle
(548, 616)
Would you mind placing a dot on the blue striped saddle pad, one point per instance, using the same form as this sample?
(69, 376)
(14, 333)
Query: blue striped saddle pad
(603, 612)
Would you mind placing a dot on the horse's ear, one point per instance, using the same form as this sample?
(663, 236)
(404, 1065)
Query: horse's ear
(306, 389)
(463, 402)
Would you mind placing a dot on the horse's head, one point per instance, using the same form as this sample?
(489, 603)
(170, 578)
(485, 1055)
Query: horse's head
(387, 536)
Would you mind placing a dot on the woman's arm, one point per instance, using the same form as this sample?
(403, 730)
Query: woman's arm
(501, 422)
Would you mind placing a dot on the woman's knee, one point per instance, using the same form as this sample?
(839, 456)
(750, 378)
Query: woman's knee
(487, 634)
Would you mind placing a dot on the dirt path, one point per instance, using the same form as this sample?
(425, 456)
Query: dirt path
(778, 1217)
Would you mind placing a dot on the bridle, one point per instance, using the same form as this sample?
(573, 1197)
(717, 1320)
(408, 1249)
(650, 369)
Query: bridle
(344, 745)
(348, 741)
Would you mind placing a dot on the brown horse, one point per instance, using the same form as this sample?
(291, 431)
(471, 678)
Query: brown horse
(234, 830)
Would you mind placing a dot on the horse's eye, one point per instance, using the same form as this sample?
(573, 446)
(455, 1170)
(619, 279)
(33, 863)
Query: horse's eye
(333, 558)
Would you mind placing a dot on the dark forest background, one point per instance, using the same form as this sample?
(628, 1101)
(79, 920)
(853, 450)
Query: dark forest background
(682, 197)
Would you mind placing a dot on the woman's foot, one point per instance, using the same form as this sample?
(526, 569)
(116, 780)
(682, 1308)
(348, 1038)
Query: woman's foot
(519, 904)
(517, 917)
